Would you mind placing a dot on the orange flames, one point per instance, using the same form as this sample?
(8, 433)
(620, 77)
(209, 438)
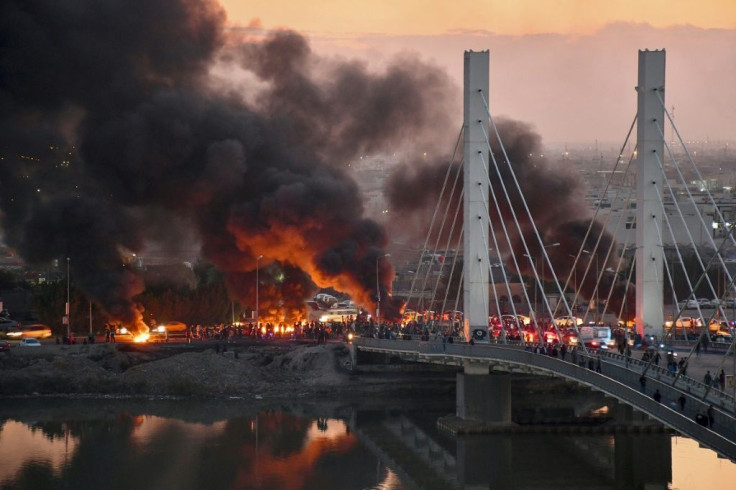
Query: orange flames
(138, 329)
(296, 245)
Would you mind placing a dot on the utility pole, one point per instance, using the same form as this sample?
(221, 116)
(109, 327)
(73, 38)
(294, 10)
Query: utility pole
(378, 289)
(68, 308)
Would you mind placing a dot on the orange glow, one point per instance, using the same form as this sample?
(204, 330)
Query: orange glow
(431, 17)
(292, 470)
(694, 468)
(22, 444)
(288, 244)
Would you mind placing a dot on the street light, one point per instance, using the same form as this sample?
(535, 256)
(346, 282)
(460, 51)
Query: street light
(378, 289)
(534, 262)
(68, 309)
(596, 278)
(575, 276)
(258, 318)
(534, 266)
(556, 244)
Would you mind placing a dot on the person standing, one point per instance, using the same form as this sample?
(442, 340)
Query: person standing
(707, 379)
(657, 396)
(681, 401)
(722, 380)
(643, 383)
(711, 416)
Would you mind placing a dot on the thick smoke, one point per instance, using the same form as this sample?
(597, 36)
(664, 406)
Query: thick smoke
(553, 195)
(109, 122)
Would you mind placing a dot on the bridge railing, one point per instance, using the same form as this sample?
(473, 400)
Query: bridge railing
(721, 399)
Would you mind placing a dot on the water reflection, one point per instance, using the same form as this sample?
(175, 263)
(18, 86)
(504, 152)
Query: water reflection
(114, 444)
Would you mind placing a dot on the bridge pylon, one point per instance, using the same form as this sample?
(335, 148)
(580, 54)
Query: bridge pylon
(475, 198)
(650, 152)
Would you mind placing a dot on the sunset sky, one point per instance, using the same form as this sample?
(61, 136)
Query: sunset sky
(566, 66)
(509, 17)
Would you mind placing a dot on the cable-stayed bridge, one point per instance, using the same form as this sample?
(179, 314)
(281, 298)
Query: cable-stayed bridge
(599, 284)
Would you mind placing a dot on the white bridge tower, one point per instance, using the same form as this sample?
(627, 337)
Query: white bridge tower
(475, 198)
(650, 155)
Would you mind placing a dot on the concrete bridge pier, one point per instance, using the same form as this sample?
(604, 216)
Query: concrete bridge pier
(483, 397)
(624, 414)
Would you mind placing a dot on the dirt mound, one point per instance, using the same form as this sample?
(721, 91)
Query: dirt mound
(265, 370)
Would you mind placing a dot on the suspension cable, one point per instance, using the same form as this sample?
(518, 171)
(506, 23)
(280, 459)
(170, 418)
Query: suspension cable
(439, 236)
(508, 242)
(447, 247)
(434, 215)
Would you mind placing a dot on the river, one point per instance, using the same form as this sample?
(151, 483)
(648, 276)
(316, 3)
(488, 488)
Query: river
(252, 444)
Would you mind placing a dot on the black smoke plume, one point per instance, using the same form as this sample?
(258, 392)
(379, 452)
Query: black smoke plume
(553, 194)
(110, 122)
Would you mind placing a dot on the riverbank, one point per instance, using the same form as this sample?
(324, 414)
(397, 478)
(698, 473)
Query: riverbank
(250, 370)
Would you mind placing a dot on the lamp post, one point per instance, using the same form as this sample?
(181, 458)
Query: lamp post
(68, 309)
(596, 279)
(378, 289)
(544, 291)
(534, 266)
(258, 318)
(574, 277)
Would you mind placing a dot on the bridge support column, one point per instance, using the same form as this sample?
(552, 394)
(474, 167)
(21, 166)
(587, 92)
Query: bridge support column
(624, 414)
(650, 155)
(483, 397)
(476, 193)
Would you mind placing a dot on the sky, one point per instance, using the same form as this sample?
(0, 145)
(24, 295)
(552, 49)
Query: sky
(568, 67)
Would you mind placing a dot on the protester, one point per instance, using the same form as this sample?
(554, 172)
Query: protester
(681, 401)
(657, 396)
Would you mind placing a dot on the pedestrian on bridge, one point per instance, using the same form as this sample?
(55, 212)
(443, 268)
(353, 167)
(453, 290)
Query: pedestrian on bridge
(681, 401)
(657, 396)
(707, 379)
(643, 383)
(711, 416)
(722, 380)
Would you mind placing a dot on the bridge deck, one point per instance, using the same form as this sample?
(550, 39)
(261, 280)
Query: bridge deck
(618, 378)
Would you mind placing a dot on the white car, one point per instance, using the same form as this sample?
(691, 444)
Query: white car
(691, 303)
(29, 342)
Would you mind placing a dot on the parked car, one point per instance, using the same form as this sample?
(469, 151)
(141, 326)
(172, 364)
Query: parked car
(4, 346)
(29, 342)
(32, 330)
(692, 303)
